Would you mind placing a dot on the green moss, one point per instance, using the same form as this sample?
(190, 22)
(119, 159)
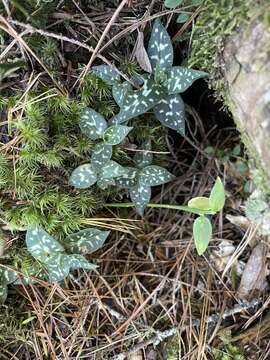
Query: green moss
(218, 19)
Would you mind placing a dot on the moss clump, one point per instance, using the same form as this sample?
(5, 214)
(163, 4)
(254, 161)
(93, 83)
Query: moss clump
(218, 19)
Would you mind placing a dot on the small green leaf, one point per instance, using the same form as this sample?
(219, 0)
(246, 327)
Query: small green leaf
(112, 170)
(115, 134)
(92, 124)
(6, 69)
(140, 101)
(140, 195)
(40, 244)
(202, 232)
(182, 18)
(128, 179)
(101, 155)
(107, 74)
(145, 157)
(160, 48)
(217, 196)
(120, 91)
(171, 4)
(171, 113)
(154, 175)
(200, 202)
(180, 78)
(86, 241)
(83, 177)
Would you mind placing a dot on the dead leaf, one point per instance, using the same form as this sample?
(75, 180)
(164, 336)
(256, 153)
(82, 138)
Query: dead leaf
(151, 354)
(240, 221)
(221, 256)
(136, 356)
(141, 54)
(255, 272)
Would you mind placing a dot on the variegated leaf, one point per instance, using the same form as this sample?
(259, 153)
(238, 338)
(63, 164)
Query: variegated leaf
(171, 113)
(154, 175)
(101, 155)
(76, 261)
(129, 179)
(160, 48)
(86, 241)
(112, 170)
(92, 124)
(144, 157)
(140, 101)
(140, 195)
(115, 134)
(180, 78)
(139, 79)
(40, 244)
(3, 292)
(120, 91)
(83, 177)
(59, 265)
(56, 267)
(9, 275)
(107, 74)
(103, 184)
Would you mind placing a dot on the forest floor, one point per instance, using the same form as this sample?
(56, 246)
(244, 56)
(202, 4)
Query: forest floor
(151, 297)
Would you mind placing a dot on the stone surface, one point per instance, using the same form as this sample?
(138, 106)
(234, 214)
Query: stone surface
(246, 70)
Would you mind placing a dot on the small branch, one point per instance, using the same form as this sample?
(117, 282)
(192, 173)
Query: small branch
(163, 335)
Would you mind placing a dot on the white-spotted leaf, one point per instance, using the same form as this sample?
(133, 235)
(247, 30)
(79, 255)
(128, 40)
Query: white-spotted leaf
(56, 268)
(120, 91)
(103, 184)
(171, 113)
(115, 134)
(107, 74)
(154, 175)
(200, 202)
(75, 261)
(180, 78)
(101, 155)
(171, 4)
(160, 48)
(59, 266)
(112, 170)
(10, 276)
(86, 241)
(202, 233)
(217, 196)
(3, 292)
(40, 244)
(83, 177)
(144, 157)
(129, 179)
(92, 124)
(140, 101)
(140, 195)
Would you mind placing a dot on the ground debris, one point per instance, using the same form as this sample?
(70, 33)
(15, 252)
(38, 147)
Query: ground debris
(255, 272)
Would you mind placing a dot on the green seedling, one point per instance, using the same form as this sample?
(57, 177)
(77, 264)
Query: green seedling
(201, 206)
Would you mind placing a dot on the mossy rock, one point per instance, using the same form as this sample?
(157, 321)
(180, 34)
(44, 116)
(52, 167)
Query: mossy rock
(231, 42)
